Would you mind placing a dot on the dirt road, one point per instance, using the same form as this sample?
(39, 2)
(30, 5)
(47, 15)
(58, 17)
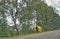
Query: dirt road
(45, 35)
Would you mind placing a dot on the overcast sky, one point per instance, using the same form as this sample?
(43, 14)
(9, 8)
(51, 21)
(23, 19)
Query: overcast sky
(54, 3)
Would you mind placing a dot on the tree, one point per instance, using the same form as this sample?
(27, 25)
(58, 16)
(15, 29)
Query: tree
(15, 9)
(23, 12)
(3, 23)
(45, 15)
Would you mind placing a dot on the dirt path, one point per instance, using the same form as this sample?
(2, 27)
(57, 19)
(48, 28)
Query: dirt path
(45, 35)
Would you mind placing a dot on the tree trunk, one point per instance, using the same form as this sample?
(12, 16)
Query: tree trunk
(16, 27)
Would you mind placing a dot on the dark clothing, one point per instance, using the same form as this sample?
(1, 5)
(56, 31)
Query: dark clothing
(36, 28)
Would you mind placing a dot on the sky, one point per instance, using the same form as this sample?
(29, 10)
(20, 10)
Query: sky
(55, 4)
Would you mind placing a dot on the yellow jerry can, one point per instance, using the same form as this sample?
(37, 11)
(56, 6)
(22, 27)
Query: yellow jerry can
(39, 28)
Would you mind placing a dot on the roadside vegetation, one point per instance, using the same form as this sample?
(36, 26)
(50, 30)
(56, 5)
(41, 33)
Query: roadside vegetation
(34, 10)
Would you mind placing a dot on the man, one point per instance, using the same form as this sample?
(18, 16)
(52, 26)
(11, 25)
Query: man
(38, 28)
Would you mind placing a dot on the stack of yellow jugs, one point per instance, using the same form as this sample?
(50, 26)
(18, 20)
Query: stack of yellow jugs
(39, 28)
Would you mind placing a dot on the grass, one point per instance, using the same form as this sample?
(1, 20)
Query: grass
(21, 35)
(24, 33)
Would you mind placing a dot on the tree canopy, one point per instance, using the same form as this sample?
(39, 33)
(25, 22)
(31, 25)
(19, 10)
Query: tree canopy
(26, 11)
